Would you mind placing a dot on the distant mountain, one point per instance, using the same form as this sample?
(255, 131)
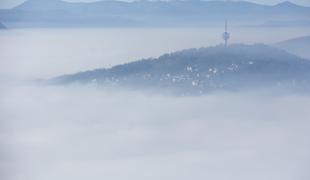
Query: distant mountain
(57, 13)
(2, 26)
(290, 23)
(299, 46)
(202, 70)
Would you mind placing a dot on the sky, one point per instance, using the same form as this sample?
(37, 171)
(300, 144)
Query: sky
(12, 3)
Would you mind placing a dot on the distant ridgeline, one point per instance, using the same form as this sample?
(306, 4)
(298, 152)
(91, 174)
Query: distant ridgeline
(299, 46)
(57, 13)
(236, 67)
(2, 26)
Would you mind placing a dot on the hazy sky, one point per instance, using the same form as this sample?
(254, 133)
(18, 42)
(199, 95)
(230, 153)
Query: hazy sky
(20, 58)
(11, 3)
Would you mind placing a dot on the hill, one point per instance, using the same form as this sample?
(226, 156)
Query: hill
(206, 69)
(299, 46)
(2, 26)
(57, 13)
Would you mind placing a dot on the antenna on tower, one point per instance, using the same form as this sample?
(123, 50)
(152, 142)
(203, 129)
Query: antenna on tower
(225, 25)
(226, 35)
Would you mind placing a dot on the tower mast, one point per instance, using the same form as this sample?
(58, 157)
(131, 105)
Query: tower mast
(226, 35)
(225, 25)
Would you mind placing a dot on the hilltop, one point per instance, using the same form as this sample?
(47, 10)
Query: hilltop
(202, 70)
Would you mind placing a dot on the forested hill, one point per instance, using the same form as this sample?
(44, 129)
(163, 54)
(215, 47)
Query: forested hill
(206, 69)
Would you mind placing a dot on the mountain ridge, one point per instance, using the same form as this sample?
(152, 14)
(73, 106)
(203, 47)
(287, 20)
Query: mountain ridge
(36, 13)
(2, 26)
(299, 46)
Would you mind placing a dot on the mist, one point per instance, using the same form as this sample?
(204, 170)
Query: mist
(85, 132)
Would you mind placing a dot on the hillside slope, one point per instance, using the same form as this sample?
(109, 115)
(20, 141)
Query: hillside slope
(201, 70)
(299, 46)
(2, 26)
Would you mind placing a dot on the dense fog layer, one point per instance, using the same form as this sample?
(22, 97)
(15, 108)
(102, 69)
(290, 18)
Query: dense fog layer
(87, 133)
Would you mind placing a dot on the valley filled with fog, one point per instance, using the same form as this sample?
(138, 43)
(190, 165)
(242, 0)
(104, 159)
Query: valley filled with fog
(83, 132)
(78, 132)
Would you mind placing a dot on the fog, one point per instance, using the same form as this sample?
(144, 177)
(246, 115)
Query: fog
(85, 132)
